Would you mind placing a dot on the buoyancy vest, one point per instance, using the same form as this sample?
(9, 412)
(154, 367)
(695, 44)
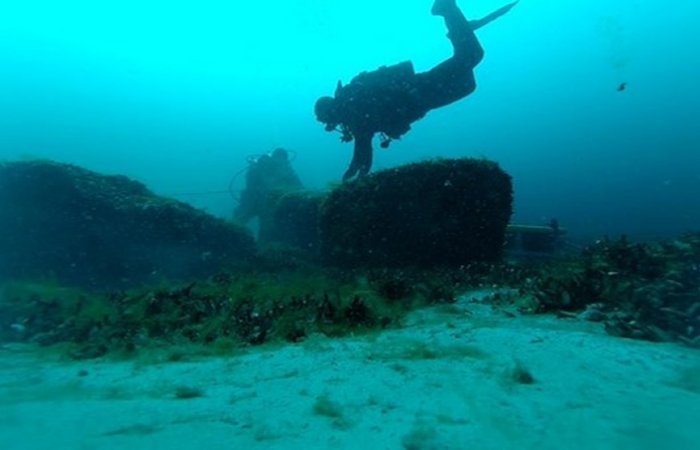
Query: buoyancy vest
(384, 100)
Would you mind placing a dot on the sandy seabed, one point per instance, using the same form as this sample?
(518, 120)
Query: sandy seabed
(452, 377)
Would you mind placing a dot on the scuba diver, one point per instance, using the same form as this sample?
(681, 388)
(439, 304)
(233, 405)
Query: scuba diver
(267, 177)
(388, 100)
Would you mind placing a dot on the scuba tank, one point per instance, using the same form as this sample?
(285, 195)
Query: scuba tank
(380, 101)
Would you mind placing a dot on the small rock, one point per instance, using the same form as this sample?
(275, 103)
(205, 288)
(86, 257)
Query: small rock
(593, 313)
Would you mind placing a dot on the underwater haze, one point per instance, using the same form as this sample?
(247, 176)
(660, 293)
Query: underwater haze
(177, 94)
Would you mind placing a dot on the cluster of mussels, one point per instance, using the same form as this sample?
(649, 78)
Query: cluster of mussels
(239, 309)
(647, 291)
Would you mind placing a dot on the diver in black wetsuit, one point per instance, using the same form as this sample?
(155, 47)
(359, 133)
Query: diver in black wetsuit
(388, 100)
(267, 178)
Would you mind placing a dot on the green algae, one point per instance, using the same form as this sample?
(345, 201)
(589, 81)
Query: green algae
(222, 314)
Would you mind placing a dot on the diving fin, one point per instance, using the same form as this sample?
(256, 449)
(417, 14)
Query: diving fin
(476, 24)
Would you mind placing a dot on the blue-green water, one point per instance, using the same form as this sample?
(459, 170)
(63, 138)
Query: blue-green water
(177, 94)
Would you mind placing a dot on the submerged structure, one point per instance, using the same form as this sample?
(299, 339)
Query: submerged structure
(530, 240)
(438, 213)
(413, 235)
(442, 213)
(77, 227)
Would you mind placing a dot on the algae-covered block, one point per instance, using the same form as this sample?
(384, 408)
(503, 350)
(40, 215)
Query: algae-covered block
(82, 228)
(293, 221)
(437, 213)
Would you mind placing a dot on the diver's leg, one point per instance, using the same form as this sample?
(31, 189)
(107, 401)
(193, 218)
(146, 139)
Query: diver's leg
(453, 79)
(464, 42)
(439, 6)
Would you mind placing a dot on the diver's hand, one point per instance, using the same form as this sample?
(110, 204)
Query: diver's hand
(351, 172)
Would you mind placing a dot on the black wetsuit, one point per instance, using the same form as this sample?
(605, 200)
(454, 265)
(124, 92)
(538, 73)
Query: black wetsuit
(405, 96)
(266, 178)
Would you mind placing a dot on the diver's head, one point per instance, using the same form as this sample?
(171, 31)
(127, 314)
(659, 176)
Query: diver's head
(280, 154)
(327, 112)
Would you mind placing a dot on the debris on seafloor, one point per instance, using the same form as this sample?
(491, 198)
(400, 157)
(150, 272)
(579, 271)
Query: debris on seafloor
(647, 291)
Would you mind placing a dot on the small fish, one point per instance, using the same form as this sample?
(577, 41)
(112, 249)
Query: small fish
(622, 86)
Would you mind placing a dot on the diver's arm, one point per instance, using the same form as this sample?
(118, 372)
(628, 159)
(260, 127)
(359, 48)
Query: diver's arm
(476, 24)
(362, 156)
